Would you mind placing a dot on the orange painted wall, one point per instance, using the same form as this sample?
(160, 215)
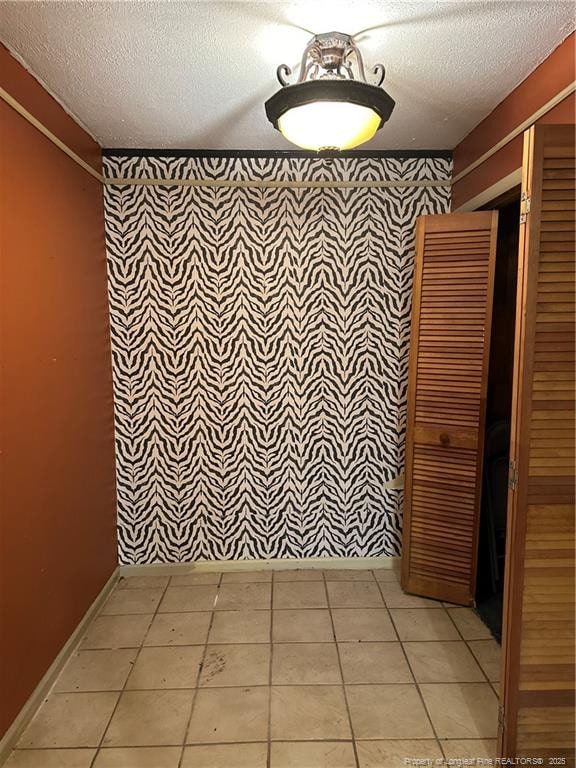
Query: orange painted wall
(548, 79)
(57, 491)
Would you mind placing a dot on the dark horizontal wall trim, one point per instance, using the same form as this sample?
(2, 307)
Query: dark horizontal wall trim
(276, 153)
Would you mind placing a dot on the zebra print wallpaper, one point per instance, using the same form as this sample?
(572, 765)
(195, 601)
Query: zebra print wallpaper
(260, 348)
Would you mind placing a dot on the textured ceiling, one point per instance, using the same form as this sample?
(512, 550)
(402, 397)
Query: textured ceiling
(196, 74)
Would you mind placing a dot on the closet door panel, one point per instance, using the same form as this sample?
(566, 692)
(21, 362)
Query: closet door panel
(539, 636)
(446, 403)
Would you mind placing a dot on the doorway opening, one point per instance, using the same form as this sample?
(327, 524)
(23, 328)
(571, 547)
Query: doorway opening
(492, 534)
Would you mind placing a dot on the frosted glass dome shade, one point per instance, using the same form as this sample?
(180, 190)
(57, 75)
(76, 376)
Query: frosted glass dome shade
(329, 114)
(322, 125)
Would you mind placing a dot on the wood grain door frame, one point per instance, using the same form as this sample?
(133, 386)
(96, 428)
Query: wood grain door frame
(461, 222)
(518, 495)
(515, 521)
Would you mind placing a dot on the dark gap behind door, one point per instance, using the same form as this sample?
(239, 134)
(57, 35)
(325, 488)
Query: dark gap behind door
(492, 539)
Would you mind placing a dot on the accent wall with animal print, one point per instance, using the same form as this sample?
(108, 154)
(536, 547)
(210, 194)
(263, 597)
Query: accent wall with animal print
(260, 351)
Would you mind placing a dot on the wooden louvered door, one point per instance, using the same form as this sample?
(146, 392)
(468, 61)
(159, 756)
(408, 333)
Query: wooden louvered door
(449, 353)
(538, 634)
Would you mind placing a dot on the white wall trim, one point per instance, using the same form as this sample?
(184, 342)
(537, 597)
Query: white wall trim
(23, 112)
(309, 563)
(275, 184)
(12, 735)
(492, 192)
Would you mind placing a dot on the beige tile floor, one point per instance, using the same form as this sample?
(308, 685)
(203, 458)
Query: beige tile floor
(291, 669)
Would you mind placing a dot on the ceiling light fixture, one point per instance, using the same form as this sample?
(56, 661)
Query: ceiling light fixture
(328, 108)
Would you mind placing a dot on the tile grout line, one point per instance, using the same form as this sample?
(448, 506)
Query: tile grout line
(256, 685)
(461, 636)
(490, 682)
(291, 642)
(463, 639)
(200, 670)
(437, 738)
(123, 689)
(228, 743)
(329, 606)
(467, 642)
(269, 753)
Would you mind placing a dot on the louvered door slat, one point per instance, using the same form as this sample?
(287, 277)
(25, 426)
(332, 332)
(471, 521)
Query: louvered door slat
(539, 636)
(448, 360)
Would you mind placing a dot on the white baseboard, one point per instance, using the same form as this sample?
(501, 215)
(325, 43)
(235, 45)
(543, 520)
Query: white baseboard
(10, 738)
(279, 564)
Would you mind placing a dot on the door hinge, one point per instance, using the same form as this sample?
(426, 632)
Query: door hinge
(512, 476)
(501, 718)
(524, 207)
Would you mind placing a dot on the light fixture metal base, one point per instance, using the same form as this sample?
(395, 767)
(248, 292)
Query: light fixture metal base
(331, 56)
